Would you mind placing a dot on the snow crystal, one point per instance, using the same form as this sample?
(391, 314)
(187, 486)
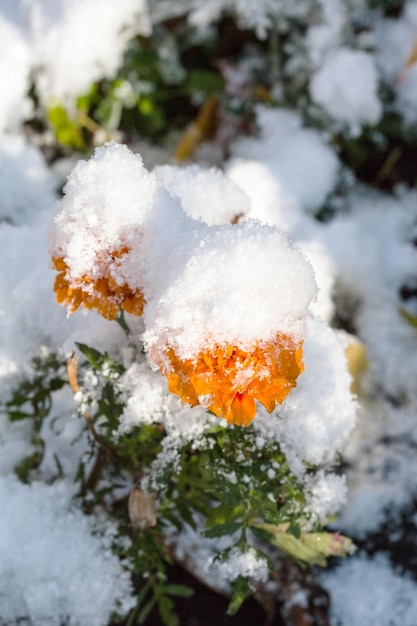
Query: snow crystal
(83, 586)
(326, 494)
(346, 87)
(269, 201)
(212, 299)
(304, 165)
(240, 563)
(65, 438)
(369, 592)
(252, 14)
(270, 204)
(198, 551)
(103, 210)
(144, 393)
(205, 194)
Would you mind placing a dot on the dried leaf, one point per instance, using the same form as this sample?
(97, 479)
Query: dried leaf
(72, 372)
(201, 128)
(142, 509)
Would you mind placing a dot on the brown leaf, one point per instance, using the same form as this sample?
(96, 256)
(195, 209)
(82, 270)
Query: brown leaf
(142, 509)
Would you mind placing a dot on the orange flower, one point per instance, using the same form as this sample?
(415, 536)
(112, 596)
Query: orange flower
(227, 380)
(102, 293)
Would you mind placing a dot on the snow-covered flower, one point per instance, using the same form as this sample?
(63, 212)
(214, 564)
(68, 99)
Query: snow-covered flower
(97, 235)
(227, 380)
(105, 292)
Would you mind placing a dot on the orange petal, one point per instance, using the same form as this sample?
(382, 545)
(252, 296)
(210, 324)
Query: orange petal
(242, 410)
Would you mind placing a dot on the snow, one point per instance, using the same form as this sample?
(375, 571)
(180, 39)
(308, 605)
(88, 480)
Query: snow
(368, 591)
(395, 39)
(346, 87)
(304, 165)
(238, 563)
(43, 579)
(222, 256)
(327, 494)
(203, 304)
(14, 75)
(260, 15)
(316, 419)
(27, 184)
(38, 39)
(205, 194)
(29, 316)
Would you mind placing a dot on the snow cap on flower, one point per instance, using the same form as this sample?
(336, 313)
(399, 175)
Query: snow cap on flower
(95, 243)
(230, 326)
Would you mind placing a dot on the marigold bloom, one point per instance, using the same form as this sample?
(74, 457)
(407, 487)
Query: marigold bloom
(102, 293)
(227, 380)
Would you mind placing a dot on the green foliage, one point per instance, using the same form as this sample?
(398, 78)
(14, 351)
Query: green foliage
(230, 486)
(33, 396)
(32, 400)
(68, 132)
(237, 488)
(308, 547)
(240, 590)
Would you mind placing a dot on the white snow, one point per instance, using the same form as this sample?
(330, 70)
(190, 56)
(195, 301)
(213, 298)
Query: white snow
(304, 165)
(208, 280)
(43, 36)
(205, 194)
(368, 591)
(346, 87)
(55, 567)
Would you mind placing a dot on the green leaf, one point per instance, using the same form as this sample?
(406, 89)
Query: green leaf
(121, 320)
(56, 383)
(295, 530)
(67, 131)
(23, 469)
(240, 591)
(180, 591)
(146, 610)
(85, 101)
(59, 466)
(409, 317)
(226, 511)
(310, 548)
(222, 529)
(15, 416)
(93, 356)
(17, 400)
(261, 533)
(166, 611)
(204, 82)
